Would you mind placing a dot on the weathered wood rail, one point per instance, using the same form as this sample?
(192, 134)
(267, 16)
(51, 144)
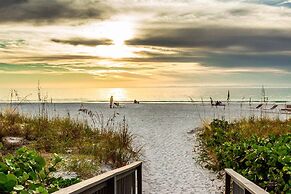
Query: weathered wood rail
(128, 180)
(237, 184)
(124, 180)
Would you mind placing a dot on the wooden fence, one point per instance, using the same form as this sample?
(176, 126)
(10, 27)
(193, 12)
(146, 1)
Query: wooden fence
(124, 180)
(128, 180)
(237, 184)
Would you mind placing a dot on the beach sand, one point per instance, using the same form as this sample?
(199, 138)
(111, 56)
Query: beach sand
(170, 164)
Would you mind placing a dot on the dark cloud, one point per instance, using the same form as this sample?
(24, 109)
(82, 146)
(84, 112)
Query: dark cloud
(6, 3)
(49, 10)
(217, 38)
(84, 41)
(224, 60)
(248, 60)
(240, 12)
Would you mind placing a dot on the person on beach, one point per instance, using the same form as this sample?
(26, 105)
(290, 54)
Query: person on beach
(211, 101)
(111, 102)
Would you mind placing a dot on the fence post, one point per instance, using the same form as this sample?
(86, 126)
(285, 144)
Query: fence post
(133, 182)
(112, 186)
(115, 185)
(227, 183)
(139, 179)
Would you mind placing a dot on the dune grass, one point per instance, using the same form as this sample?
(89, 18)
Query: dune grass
(257, 148)
(85, 144)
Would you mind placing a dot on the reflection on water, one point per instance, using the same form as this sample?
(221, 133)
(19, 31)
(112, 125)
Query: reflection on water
(152, 94)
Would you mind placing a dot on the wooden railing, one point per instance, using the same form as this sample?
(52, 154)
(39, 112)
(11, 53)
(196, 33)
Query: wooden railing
(237, 184)
(124, 180)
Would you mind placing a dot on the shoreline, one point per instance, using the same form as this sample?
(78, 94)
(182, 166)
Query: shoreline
(144, 102)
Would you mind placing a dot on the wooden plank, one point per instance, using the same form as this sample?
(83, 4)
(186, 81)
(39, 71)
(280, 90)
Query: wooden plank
(245, 183)
(237, 189)
(133, 183)
(92, 182)
(115, 185)
(125, 174)
(111, 186)
(139, 179)
(227, 183)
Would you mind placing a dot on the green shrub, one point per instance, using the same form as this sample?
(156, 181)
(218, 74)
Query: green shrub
(26, 172)
(263, 159)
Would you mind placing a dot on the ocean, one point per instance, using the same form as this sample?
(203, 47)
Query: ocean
(162, 94)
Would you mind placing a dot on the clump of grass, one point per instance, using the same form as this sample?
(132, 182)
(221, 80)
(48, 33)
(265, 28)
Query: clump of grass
(101, 141)
(259, 149)
(85, 165)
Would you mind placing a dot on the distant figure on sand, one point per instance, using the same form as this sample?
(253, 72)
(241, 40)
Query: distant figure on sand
(136, 102)
(211, 101)
(111, 102)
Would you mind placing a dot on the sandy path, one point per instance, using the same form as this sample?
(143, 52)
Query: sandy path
(169, 164)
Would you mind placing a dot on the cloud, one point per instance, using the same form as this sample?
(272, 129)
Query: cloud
(84, 41)
(55, 58)
(280, 3)
(31, 68)
(282, 62)
(217, 38)
(11, 43)
(87, 68)
(96, 67)
(50, 10)
(240, 11)
(161, 59)
(7, 3)
(99, 74)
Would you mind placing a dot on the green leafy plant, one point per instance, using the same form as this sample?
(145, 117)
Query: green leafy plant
(26, 172)
(263, 156)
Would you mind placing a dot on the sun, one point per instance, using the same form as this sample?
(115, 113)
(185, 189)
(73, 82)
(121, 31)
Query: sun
(116, 31)
(114, 51)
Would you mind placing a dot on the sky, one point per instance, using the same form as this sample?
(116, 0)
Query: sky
(76, 44)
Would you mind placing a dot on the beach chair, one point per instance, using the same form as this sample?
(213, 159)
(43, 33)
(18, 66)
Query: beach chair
(287, 108)
(116, 104)
(259, 106)
(273, 107)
